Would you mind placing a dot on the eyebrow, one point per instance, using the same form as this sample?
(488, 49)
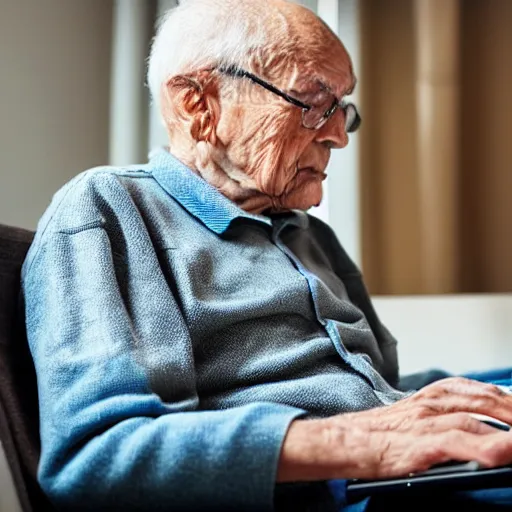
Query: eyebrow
(331, 86)
(350, 90)
(346, 92)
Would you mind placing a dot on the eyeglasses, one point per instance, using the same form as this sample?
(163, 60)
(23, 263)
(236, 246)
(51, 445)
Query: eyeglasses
(313, 117)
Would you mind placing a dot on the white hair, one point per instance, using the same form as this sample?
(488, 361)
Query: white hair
(207, 33)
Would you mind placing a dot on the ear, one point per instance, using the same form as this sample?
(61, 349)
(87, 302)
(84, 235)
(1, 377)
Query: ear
(194, 99)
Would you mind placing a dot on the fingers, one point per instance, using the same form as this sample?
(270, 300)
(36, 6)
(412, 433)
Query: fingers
(385, 444)
(463, 386)
(415, 420)
(489, 451)
(428, 450)
(497, 450)
(454, 422)
(462, 395)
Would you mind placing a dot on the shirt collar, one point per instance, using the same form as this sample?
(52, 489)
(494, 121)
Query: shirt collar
(202, 200)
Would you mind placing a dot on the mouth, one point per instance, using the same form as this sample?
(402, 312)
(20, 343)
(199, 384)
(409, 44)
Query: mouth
(314, 173)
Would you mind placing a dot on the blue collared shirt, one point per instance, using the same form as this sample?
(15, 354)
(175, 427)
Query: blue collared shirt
(175, 337)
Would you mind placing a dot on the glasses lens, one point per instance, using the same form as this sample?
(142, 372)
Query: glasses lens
(313, 118)
(317, 116)
(352, 117)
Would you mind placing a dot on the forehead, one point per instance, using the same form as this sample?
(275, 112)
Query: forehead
(332, 68)
(319, 54)
(337, 75)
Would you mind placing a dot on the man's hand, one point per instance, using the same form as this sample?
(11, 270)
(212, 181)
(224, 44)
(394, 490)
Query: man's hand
(430, 427)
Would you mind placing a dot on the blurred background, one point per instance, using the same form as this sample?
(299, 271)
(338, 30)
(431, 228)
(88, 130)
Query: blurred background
(421, 197)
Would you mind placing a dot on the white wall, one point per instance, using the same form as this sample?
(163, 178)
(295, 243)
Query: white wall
(344, 167)
(457, 333)
(311, 4)
(54, 99)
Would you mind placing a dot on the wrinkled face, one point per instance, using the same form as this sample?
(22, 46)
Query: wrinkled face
(264, 138)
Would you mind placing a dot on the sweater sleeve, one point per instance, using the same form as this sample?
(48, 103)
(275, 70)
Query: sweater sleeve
(109, 440)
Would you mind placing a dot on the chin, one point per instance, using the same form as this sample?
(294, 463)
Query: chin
(308, 196)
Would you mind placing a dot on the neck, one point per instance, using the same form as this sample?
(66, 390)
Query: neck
(229, 181)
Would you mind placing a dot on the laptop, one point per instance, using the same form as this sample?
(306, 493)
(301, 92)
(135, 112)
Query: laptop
(454, 477)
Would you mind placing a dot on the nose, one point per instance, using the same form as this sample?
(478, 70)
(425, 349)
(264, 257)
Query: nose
(333, 132)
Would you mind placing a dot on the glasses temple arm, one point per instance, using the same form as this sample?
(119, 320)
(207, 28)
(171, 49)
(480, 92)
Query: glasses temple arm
(234, 71)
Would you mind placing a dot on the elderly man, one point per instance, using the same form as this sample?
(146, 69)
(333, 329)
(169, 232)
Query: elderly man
(201, 342)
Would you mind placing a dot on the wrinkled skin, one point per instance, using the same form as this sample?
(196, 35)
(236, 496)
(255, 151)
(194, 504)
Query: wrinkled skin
(430, 427)
(249, 143)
